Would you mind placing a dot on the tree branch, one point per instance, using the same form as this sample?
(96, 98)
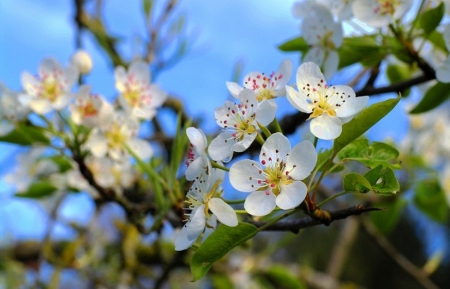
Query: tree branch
(324, 218)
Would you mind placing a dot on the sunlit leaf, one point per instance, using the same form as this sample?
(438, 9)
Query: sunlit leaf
(363, 121)
(218, 244)
(356, 182)
(38, 190)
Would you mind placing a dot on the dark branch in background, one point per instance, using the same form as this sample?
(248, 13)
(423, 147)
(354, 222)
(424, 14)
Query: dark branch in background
(325, 218)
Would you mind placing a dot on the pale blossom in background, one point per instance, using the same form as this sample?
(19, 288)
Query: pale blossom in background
(197, 159)
(51, 89)
(11, 110)
(380, 13)
(138, 95)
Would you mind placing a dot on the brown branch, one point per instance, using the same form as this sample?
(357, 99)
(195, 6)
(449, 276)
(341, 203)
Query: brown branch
(322, 218)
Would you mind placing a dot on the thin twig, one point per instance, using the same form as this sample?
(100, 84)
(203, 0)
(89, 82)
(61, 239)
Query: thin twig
(415, 272)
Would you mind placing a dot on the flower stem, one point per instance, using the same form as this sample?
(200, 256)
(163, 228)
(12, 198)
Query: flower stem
(259, 139)
(277, 126)
(217, 166)
(264, 129)
(316, 139)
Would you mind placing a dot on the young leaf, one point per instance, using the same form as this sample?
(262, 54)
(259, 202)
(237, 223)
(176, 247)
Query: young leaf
(433, 98)
(387, 184)
(363, 121)
(296, 44)
(356, 182)
(364, 49)
(430, 199)
(431, 18)
(26, 135)
(38, 190)
(218, 244)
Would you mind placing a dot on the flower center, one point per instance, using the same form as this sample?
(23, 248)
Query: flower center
(50, 89)
(115, 136)
(276, 176)
(132, 96)
(326, 41)
(386, 7)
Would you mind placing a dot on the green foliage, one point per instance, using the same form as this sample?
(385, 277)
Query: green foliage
(386, 220)
(26, 135)
(438, 41)
(38, 190)
(63, 163)
(364, 49)
(383, 181)
(322, 159)
(295, 44)
(430, 198)
(218, 244)
(399, 72)
(436, 95)
(356, 182)
(362, 122)
(370, 155)
(430, 19)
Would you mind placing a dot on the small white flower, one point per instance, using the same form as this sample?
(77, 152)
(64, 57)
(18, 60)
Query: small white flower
(342, 9)
(111, 137)
(89, 109)
(82, 61)
(204, 201)
(380, 13)
(11, 110)
(240, 124)
(198, 160)
(265, 87)
(278, 182)
(323, 35)
(137, 94)
(51, 90)
(330, 106)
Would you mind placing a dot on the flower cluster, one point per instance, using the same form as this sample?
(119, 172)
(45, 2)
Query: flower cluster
(86, 123)
(278, 179)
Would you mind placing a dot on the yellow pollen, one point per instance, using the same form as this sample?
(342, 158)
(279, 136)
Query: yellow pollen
(51, 90)
(264, 94)
(115, 136)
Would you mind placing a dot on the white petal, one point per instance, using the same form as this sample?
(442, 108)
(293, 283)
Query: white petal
(260, 203)
(97, 144)
(49, 65)
(197, 138)
(309, 74)
(234, 88)
(352, 106)
(266, 112)
(140, 71)
(326, 127)
(297, 100)
(244, 175)
(71, 75)
(141, 147)
(196, 223)
(283, 74)
(244, 143)
(277, 146)
(316, 55)
(220, 148)
(212, 224)
(304, 157)
(224, 212)
(181, 240)
(39, 106)
(291, 195)
(446, 34)
(330, 64)
(30, 83)
(194, 169)
(120, 76)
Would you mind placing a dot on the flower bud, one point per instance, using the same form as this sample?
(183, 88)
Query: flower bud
(82, 61)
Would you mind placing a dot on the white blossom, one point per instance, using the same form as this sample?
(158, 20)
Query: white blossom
(380, 13)
(198, 160)
(11, 110)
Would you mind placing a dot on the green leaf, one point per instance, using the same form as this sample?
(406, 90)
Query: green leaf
(26, 135)
(430, 198)
(431, 18)
(362, 122)
(280, 277)
(438, 41)
(364, 49)
(147, 6)
(374, 175)
(295, 44)
(370, 155)
(38, 190)
(433, 98)
(355, 182)
(387, 184)
(386, 220)
(63, 163)
(218, 244)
